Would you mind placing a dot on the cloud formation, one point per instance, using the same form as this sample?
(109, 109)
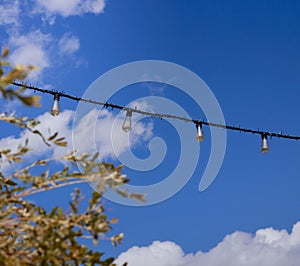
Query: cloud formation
(10, 10)
(48, 126)
(70, 7)
(68, 44)
(268, 247)
(31, 49)
(30, 44)
(110, 140)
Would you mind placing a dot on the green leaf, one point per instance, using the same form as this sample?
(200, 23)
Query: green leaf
(30, 100)
(5, 52)
(10, 182)
(53, 136)
(63, 144)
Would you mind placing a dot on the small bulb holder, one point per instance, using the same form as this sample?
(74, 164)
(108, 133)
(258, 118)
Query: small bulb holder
(55, 109)
(264, 144)
(127, 122)
(199, 134)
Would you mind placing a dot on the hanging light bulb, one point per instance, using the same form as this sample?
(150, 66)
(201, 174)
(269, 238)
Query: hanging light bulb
(264, 144)
(55, 109)
(127, 122)
(200, 134)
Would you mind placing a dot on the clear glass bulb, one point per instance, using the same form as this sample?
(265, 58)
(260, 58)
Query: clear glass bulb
(264, 144)
(55, 109)
(200, 134)
(127, 122)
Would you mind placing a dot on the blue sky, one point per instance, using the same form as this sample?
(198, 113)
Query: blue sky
(248, 54)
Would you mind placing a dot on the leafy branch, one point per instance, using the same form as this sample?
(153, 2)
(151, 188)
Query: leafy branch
(31, 235)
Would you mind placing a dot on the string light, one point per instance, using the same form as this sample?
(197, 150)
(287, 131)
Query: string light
(55, 109)
(199, 123)
(127, 122)
(264, 144)
(200, 134)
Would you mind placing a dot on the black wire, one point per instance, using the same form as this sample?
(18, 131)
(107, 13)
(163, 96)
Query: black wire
(120, 107)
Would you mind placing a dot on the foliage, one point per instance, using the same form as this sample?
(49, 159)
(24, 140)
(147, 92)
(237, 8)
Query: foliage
(29, 235)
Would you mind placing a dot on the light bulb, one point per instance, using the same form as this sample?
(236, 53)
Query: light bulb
(264, 144)
(55, 109)
(200, 134)
(127, 122)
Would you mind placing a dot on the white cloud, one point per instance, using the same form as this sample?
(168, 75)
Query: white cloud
(31, 49)
(71, 7)
(9, 12)
(36, 48)
(110, 139)
(107, 131)
(49, 125)
(68, 44)
(26, 41)
(268, 247)
(158, 254)
(92, 6)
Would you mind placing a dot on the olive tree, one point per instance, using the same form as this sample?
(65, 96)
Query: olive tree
(31, 235)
